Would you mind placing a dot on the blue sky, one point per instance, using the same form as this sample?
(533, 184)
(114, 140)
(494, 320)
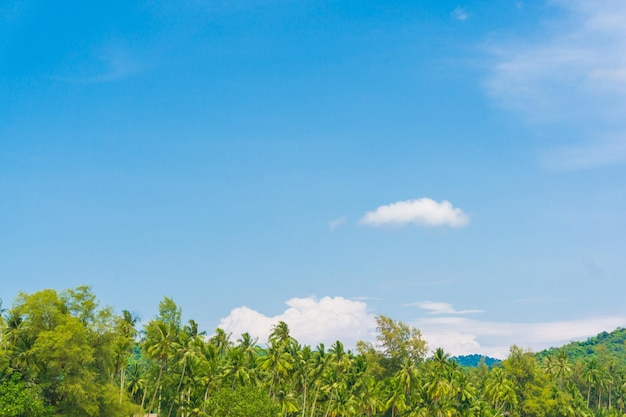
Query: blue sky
(457, 166)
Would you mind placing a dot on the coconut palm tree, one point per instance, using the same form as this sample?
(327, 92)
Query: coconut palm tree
(592, 375)
(188, 349)
(276, 365)
(125, 343)
(160, 344)
(562, 368)
(499, 390)
(319, 368)
(396, 397)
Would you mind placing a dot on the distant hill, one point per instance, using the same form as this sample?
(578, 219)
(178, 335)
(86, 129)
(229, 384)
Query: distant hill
(607, 345)
(474, 360)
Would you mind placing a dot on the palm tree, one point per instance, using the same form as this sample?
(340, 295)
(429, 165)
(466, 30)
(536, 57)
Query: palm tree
(465, 393)
(369, 397)
(319, 368)
(127, 333)
(339, 360)
(499, 390)
(287, 401)
(187, 350)
(396, 397)
(160, 344)
(211, 365)
(221, 340)
(280, 336)
(136, 381)
(302, 373)
(440, 362)
(406, 377)
(562, 367)
(344, 404)
(592, 375)
(236, 367)
(276, 364)
(248, 346)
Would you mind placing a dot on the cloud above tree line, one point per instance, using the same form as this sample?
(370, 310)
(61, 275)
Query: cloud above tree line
(313, 321)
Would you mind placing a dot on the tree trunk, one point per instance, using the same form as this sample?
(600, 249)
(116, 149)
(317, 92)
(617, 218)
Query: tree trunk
(317, 391)
(182, 375)
(156, 388)
(304, 400)
(143, 398)
(330, 400)
(122, 374)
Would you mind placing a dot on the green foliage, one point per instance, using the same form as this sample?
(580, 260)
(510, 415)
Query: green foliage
(61, 354)
(475, 359)
(62, 345)
(20, 400)
(609, 345)
(242, 402)
(397, 342)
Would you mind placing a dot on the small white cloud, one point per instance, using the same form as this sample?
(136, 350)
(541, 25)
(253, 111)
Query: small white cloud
(460, 14)
(441, 308)
(310, 321)
(422, 212)
(334, 224)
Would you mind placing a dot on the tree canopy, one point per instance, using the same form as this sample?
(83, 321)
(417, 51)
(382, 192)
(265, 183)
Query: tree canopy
(62, 354)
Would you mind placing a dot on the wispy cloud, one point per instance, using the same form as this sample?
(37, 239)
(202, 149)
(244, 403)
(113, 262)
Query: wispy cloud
(441, 308)
(422, 212)
(112, 61)
(334, 224)
(592, 152)
(540, 299)
(459, 13)
(573, 74)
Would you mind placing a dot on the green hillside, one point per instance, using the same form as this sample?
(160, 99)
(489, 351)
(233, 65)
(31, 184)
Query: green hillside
(474, 360)
(604, 346)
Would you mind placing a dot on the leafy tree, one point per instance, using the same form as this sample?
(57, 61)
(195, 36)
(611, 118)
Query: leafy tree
(17, 399)
(397, 342)
(61, 344)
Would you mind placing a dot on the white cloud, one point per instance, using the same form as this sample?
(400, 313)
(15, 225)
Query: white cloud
(310, 321)
(462, 336)
(459, 14)
(328, 319)
(441, 308)
(423, 212)
(334, 224)
(572, 75)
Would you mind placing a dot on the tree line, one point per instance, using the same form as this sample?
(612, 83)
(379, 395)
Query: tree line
(61, 354)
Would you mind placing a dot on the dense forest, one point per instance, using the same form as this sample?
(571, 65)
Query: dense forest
(61, 354)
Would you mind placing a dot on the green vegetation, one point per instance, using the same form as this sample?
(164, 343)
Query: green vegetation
(61, 354)
(604, 346)
(475, 360)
